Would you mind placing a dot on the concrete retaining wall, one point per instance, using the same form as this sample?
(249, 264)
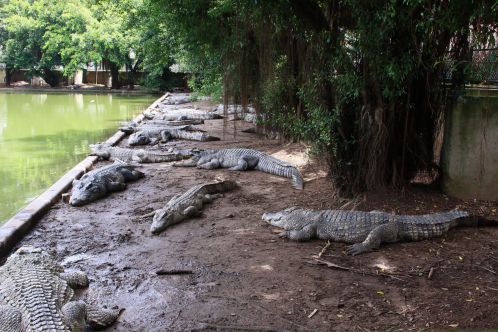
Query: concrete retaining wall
(14, 229)
(470, 150)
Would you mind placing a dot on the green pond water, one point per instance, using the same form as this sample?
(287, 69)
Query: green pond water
(44, 135)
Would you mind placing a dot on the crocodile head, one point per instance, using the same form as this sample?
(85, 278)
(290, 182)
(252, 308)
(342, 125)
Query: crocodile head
(285, 217)
(100, 150)
(29, 255)
(85, 192)
(162, 220)
(138, 138)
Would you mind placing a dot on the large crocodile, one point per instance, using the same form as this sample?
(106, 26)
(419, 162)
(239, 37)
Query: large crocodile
(101, 181)
(164, 123)
(106, 151)
(189, 204)
(367, 230)
(154, 135)
(186, 114)
(130, 129)
(37, 295)
(240, 159)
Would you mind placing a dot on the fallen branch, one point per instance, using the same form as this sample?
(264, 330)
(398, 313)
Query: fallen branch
(327, 245)
(331, 265)
(173, 272)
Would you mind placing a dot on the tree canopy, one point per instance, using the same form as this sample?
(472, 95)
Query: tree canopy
(43, 35)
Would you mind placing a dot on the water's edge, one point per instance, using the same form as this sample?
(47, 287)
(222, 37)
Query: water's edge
(16, 227)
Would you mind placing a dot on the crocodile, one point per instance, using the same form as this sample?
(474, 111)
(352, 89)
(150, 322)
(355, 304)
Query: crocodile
(155, 135)
(37, 295)
(241, 159)
(106, 151)
(130, 129)
(189, 204)
(186, 114)
(161, 123)
(367, 230)
(99, 182)
(176, 99)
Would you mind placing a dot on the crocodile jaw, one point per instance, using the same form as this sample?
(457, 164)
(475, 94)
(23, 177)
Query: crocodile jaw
(160, 221)
(274, 218)
(85, 193)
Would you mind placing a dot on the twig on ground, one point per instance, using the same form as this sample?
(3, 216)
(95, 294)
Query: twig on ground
(345, 268)
(333, 265)
(486, 269)
(327, 245)
(162, 272)
(431, 271)
(313, 313)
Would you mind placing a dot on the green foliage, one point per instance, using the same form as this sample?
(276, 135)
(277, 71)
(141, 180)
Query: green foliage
(361, 80)
(43, 35)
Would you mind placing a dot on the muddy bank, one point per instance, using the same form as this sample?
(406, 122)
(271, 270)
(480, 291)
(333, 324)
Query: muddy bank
(240, 275)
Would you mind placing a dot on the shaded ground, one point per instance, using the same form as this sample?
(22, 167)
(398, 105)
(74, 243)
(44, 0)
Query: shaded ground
(245, 278)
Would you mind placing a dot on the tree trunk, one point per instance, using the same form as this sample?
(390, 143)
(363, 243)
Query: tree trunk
(115, 75)
(50, 77)
(8, 76)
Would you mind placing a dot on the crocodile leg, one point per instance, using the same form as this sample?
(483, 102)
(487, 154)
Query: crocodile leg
(191, 211)
(99, 318)
(75, 279)
(187, 163)
(165, 136)
(74, 313)
(116, 186)
(10, 319)
(380, 234)
(210, 197)
(212, 164)
(131, 175)
(308, 232)
(245, 163)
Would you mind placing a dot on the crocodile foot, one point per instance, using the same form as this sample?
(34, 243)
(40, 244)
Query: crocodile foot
(356, 249)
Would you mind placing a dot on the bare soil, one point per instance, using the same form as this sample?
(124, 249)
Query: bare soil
(238, 275)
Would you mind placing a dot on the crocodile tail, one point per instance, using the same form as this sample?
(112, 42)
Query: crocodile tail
(475, 221)
(297, 179)
(276, 167)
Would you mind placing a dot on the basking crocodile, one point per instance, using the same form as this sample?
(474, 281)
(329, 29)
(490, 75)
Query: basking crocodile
(101, 181)
(186, 114)
(130, 129)
(154, 135)
(176, 99)
(37, 295)
(245, 159)
(166, 123)
(367, 230)
(189, 204)
(106, 151)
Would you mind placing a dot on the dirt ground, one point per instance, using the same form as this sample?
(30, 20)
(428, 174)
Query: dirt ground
(238, 275)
